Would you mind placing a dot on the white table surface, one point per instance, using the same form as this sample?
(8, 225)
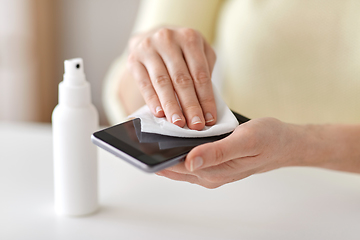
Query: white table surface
(290, 203)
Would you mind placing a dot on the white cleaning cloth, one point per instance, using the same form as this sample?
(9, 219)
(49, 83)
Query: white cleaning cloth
(226, 122)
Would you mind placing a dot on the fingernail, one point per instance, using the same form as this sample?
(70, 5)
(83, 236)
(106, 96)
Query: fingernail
(196, 120)
(209, 118)
(196, 163)
(175, 118)
(158, 109)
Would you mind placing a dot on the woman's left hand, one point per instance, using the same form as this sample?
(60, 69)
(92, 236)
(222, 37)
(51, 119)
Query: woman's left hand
(257, 146)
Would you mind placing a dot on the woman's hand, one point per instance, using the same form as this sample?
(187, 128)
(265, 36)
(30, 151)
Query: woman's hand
(257, 146)
(172, 68)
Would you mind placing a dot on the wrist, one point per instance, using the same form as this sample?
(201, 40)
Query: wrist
(312, 146)
(330, 146)
(319, 149)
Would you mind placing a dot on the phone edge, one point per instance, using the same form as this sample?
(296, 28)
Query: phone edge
(133, 161)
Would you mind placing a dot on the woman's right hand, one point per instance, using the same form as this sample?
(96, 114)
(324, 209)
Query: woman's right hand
(175, 63)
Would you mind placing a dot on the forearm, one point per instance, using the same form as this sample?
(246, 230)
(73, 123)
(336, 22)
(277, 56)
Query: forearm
(330, 146)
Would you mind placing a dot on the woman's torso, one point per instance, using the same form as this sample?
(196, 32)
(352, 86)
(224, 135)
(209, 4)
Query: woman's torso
(295, 60)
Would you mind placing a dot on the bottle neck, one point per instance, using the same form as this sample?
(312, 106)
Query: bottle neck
(74, 96)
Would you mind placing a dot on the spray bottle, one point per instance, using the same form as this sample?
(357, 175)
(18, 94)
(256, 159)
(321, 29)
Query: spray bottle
(74, 119)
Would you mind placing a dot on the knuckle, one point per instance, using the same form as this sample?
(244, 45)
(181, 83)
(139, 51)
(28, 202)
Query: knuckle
(192, 108)
(201, 77)
(208, 101)
(219, 154)
(151, 98)
(182, 79)
(143, 84)
(170, 104)
(164, 35)
(161, 80)
(131, 63)
(191, 36)
(131, 58)
(146, 43)
(189, 32)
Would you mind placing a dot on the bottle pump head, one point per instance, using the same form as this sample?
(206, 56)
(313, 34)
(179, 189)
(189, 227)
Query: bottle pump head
(74, 90)
(74, 72)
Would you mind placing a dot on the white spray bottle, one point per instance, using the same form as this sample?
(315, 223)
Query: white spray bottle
(74, 119)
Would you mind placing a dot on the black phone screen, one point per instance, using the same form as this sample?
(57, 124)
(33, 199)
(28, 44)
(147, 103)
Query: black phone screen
(150, 148)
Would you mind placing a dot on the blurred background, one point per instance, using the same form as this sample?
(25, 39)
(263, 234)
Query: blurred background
(36, 36)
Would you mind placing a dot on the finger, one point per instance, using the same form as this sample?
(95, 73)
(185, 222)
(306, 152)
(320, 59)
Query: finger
(196, 60)
(147, 91)
(212, 177)
(226, 172)
(210, 56)
(164, 89)
(179, 168)
(183, 84)
(239, 144)
(179, 177)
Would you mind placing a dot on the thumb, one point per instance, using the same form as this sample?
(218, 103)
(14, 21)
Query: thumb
(215, 153)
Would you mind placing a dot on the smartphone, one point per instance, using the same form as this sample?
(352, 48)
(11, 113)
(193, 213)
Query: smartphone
(148, 151)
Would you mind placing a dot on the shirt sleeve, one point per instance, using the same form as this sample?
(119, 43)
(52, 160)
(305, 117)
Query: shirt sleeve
(198, 14)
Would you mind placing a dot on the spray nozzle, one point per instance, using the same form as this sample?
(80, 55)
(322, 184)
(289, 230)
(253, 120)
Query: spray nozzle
(74, 71)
